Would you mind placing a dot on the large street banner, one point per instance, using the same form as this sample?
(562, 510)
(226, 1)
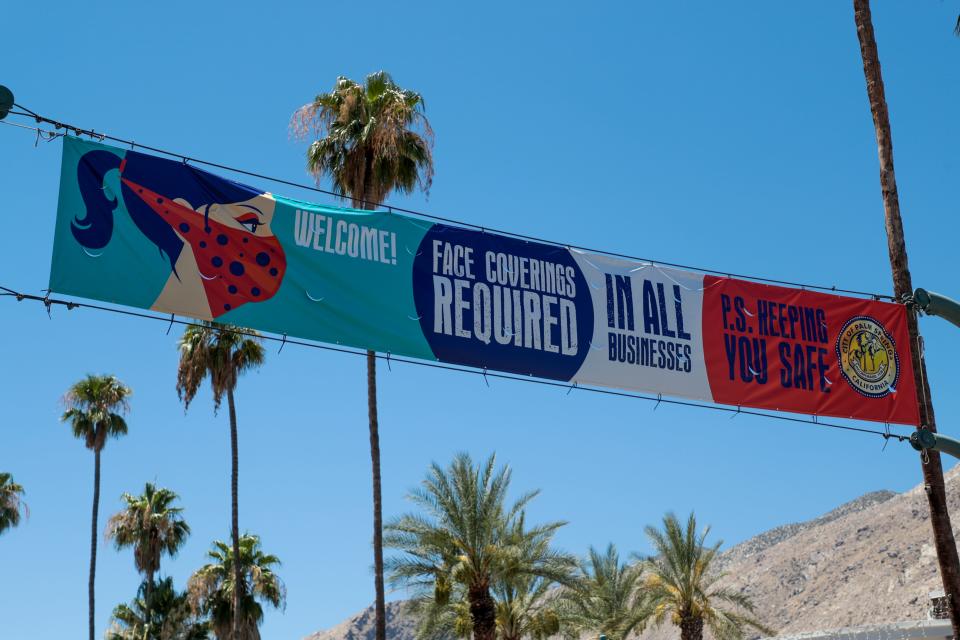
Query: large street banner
(153, 233)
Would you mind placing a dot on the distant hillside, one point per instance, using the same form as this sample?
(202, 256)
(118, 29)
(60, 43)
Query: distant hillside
(870, 560)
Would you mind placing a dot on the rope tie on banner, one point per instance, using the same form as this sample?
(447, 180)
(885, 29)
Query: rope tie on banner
(79, 131)
(389, 368)
(282, 344)
(886, 436)
(485, 377)
(572, 387)
(659, 400)
(170, 326)
(734, 415)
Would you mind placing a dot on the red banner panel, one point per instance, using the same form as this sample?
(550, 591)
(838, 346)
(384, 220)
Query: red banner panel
(794, 350)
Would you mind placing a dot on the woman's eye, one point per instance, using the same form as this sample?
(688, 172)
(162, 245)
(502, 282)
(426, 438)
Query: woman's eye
(250, 225)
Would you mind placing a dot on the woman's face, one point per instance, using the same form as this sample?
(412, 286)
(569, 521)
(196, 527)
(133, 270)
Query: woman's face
(252, 216)
(237, 257)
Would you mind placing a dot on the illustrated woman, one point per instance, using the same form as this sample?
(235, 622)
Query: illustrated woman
(214, 233)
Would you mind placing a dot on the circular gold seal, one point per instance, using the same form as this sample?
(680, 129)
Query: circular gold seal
(868, 357)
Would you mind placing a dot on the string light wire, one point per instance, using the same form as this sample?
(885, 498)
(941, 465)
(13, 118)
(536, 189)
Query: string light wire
(49, 302)
(79, 131)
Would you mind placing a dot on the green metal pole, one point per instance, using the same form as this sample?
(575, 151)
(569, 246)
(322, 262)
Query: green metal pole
(934, 304)
(6, 101)
(924, 439)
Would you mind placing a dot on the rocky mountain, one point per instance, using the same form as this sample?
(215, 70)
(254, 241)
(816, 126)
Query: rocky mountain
(868, 561)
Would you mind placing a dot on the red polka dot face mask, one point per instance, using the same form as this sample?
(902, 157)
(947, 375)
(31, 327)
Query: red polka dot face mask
(239, 260)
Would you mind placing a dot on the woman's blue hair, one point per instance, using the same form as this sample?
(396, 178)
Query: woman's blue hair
(169, 178)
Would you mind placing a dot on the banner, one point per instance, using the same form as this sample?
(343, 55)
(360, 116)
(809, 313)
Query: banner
(153, 233)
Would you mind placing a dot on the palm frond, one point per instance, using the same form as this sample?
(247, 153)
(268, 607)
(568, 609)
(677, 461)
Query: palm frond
(370, 139)
(218, 352)
(11, 502)
(681, 582)
(212, 586)
(94, 407)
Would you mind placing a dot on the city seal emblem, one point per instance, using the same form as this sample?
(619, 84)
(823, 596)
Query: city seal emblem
(868, 357)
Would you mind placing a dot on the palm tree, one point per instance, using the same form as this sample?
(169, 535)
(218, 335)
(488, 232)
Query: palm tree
(95, 409)
(169, 617)
(469, 540)
(682, 585)
(530, 568)
(944, 541)
(371, 139)
(222, 353)
(524, 605)
(213, 593)
(525, 608)
(153, 527)
(606, 598)
(11, 502)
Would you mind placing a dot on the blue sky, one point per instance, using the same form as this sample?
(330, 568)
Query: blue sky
(728, 135)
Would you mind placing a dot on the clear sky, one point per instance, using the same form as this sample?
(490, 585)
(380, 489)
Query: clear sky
(729, 135)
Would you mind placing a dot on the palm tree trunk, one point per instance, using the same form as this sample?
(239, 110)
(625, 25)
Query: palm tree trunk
(234, 517)
(691, 628)
(483, 613)
(365, 201)
(148, 594)
(943, 539)
(380, 606)
(93, 537)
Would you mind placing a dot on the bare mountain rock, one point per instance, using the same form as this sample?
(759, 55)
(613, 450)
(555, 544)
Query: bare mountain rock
(400, 626)
(868, 561)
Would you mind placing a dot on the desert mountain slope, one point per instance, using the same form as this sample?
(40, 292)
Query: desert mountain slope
(868, 561)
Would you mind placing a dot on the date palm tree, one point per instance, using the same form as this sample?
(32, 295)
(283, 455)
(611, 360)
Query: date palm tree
(213, 589)
(468, 540)
(370, 139)
(95, 407)
(221, 353)
(682, 585)
(170, 616)
(153, 527)
(606, 598)
(11, 502)
(525, 608)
